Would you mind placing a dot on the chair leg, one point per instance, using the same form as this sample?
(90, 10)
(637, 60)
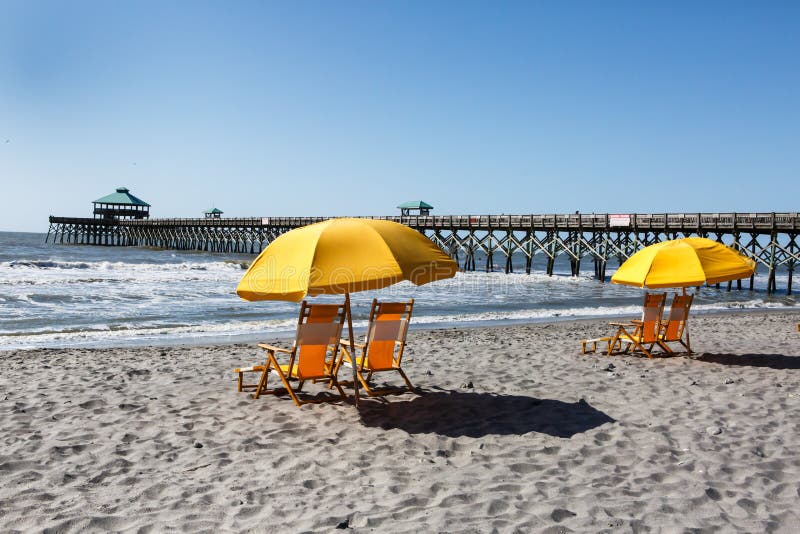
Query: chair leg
(619, 339)
(262, 383)
(406, 380)
(334, 370)
(335, 382)
(359, 370)
(239, 385)
(365, 383)
(625, 346)
(292, 394)
(385, 391)
(636, 345)
(339, 362)
(647, 352)
(612, 345)
(665, 347)
(287, 385)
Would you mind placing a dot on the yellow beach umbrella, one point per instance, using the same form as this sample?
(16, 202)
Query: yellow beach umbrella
(686, 262)
(341, 256)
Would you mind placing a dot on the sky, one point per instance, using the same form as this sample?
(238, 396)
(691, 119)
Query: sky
(352, 107)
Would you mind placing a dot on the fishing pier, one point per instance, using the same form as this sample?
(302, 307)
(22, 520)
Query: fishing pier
(475, 241)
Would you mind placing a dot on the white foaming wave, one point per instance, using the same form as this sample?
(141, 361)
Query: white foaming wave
(124, 266)
(543, 314)
(480, 284)
(103, 335)
(45, 264)
(500, 278)
(755, 304)
(47, 272)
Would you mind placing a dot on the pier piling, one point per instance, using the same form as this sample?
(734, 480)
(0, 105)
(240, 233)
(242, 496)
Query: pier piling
(769, 238)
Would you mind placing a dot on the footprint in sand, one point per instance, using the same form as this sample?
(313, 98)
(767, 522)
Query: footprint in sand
(560, 514)
(92, 404)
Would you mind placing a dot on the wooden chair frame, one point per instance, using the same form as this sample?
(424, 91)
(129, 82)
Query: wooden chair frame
(316, 322)
(380, 312)
(676, 329)
(640, 335)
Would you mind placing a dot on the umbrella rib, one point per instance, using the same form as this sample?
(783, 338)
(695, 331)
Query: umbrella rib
(389, 248)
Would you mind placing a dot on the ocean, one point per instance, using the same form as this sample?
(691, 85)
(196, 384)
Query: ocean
(73, 295)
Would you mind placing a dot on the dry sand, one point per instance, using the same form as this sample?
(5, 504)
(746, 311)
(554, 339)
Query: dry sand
(546, 440)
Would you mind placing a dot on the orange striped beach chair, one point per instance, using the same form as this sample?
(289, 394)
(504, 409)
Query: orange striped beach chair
(640, 336)
(676, 329)
(312, 356)
(382, 349)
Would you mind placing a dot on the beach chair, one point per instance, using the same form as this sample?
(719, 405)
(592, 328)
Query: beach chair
(312, 356)
(675, 330)
(640, 335)
(382, 349)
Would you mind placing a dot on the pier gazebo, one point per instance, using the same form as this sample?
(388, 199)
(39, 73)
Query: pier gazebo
(121, 205)
(213, 213)
(418, 206)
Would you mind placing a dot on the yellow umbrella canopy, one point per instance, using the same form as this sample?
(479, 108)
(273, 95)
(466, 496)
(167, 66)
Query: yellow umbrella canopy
(686, 262)
(343, 256)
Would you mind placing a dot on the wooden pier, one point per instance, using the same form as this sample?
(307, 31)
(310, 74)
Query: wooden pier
(769, 238)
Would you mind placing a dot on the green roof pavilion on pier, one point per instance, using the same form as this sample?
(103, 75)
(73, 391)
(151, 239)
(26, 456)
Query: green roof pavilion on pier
(121, 205)
(418, 206)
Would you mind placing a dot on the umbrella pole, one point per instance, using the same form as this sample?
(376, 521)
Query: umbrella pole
(352, 345)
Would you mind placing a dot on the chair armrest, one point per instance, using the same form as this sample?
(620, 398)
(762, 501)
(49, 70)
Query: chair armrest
(346, 343)
(622, 324)
(273, 348)
(251, 369)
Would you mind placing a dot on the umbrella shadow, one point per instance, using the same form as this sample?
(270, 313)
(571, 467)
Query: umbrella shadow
(456, 414)
(773, 361)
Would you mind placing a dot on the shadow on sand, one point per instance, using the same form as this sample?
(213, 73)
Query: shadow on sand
(773, 361)
(457, 414)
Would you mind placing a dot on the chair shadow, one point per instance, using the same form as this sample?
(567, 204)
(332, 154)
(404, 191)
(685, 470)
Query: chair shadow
(773, 361)
(456, 414)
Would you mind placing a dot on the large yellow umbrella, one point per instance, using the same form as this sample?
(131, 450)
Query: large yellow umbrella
(686, 262)
(340, 256)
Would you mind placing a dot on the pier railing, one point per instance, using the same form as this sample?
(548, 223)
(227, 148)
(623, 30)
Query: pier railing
(644, 221)
(769, 238)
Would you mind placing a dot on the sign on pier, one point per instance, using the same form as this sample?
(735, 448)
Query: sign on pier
(619, 219)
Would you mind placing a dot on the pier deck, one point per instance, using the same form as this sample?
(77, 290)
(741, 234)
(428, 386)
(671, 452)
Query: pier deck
(769, 238)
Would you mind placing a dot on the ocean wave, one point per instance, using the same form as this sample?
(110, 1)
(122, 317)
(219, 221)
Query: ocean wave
(103, 334)
(62, 296)
(227, 265)
(82, 276)
(46, 264)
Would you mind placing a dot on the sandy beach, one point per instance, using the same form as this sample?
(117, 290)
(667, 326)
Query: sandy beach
(516, 432)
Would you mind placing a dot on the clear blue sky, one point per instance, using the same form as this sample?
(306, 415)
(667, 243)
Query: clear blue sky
(335, 108)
